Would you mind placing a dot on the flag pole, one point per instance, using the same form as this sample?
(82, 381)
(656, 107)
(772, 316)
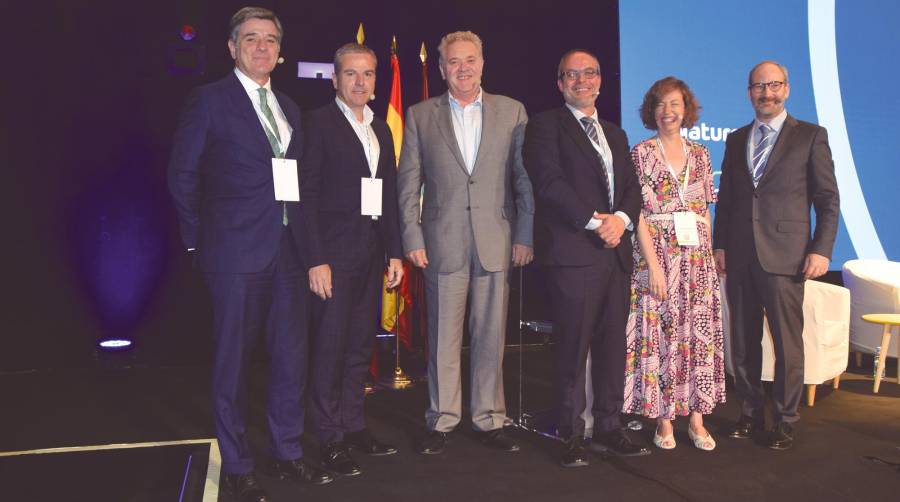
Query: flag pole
(400, 380)
(360, 38)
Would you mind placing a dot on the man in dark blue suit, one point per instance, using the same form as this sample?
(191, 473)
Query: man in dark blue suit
(232, 170)
(352, 153)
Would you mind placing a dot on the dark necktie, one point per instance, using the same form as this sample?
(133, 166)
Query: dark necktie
(590, 127)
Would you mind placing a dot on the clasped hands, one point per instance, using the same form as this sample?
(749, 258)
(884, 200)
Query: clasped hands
(610, 230)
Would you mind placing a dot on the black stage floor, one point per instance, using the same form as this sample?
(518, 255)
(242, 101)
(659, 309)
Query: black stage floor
(848, 446)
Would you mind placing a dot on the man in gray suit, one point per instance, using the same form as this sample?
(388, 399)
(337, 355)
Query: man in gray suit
(774, 169)
(476, 219)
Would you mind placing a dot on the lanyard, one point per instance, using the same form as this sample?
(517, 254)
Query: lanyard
(682, 191)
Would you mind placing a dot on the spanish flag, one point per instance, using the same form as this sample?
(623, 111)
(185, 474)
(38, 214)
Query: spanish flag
(395, 107)
(389, 299)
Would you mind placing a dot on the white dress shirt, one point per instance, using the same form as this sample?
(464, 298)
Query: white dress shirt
(364, 133)
(755, 136)
(284, 129)
(606, 154)
(467, 128)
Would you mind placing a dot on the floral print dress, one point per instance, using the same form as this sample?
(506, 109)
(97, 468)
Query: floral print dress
(674, 349)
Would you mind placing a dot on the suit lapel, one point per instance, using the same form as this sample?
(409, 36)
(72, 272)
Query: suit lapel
(743, 137)
(292, 119)
(445, 124)
(243, 105)
(349, 137)
(617, 175)
(383, 134)
(489, 120)
(781, 145)
(576, 132)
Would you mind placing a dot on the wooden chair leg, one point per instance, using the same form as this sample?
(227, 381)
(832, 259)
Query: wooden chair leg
(837, 382)
(882, 355)
(858, 358)
(810, 395)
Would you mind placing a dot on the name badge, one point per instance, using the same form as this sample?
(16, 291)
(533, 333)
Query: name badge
(370, 201)
(287, 180)
(686, 228)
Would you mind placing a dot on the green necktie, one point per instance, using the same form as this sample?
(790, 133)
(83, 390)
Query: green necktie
(272, 134)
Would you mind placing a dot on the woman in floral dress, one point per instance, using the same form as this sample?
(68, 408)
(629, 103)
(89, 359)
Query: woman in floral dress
(674, 357)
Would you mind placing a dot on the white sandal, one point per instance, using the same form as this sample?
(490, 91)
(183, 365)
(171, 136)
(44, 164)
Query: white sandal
(704, 443)
(663, 442)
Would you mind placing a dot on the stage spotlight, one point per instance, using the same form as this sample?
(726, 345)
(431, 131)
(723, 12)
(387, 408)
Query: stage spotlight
(115, 353)
(114, 344)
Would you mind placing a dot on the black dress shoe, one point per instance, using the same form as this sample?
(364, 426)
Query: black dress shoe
(336, 459)
(746, 427)
(366, 443)
(575, 454)
(497, 439)
(300, 471)
(244, 487)
(781, 437)
(433, 443)
(618, 443)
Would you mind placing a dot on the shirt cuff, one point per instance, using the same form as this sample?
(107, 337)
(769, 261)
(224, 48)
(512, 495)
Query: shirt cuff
(593, 224)
(625, 219)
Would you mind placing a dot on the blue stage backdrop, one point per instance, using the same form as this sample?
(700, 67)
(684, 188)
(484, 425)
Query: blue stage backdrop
(840, 58)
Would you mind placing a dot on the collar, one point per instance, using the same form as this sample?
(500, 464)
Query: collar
(478, 99)
(775, 123)
(249, 85)
(368, 114)
(578, 114)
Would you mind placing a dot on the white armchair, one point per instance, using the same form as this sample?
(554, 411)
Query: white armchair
(826, 324)
(874, 289)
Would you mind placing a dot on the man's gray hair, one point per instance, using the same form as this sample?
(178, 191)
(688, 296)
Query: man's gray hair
(768, 61)
(458, 36)
(246, 13)
(351, 48)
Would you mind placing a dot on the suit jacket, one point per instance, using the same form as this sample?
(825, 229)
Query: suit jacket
(570, 184)
(494, 204)
(775, 216)
(220, 177)
(333, 154)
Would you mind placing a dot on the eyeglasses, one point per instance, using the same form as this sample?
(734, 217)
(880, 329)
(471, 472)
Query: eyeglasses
(773, 86)
(587, 73)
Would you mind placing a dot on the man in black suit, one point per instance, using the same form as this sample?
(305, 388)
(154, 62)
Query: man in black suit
(351, 154)
(774, 169)
(237, 216)
(587, 198)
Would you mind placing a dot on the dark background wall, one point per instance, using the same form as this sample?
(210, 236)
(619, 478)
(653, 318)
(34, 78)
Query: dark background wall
(92, 247)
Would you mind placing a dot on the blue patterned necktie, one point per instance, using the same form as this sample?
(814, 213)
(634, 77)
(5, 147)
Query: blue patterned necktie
(590, 128)
(761, 152)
